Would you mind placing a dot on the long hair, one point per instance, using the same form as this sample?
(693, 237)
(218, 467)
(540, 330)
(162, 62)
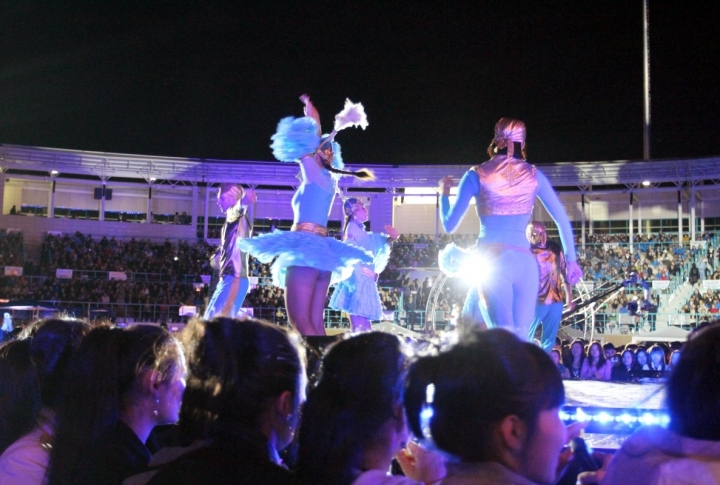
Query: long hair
(360, 385)
(19, 392)
(236, 370)
(601, 356)
(570, 356)
(103, 376)
(477, 383)
(52, 345)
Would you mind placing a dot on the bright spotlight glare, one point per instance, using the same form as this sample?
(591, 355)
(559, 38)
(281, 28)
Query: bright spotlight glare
(646, 183)
(475, 269)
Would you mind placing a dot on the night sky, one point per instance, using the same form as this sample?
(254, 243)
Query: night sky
(183, 78)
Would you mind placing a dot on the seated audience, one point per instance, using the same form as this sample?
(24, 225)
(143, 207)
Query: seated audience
(641, 358)
(574, 362)
(657, 359)
(246, 384)
(625, 369)
(492, 402)
(119, 386)
(555, 357)
(596, 367)
(688, 450)
(354, 421)
(51, 345)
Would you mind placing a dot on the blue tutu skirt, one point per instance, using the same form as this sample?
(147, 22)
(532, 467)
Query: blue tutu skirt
(297, 248)
(357, 295)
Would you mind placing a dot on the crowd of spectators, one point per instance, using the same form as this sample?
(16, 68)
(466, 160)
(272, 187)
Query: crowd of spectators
(107, 398)
(583, 360)
(11, 248)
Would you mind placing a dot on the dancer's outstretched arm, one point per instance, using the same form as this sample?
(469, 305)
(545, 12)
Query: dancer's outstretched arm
(552, 203)
(468, 188)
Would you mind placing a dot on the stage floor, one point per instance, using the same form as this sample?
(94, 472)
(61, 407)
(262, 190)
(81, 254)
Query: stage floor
(646, 395)
(616, 395)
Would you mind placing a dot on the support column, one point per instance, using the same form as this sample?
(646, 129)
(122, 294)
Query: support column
(679, 214)
(194, 210)
(101, 216)
(148, 211)
(51, 205)
(639, 231)
(2, 193)
(630, 221)
(693, 229)
(205, 212)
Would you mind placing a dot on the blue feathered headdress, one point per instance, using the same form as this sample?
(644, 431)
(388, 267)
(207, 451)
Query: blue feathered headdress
(294, 138)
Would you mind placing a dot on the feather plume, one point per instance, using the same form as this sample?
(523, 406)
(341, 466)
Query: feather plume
(353, 114)
(294, 138)
(451, 259)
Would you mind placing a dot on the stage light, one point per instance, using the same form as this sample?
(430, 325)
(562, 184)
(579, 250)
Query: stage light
(610, 420)
(646, 183)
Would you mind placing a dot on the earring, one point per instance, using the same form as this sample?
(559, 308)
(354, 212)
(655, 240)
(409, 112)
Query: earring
(157, 404)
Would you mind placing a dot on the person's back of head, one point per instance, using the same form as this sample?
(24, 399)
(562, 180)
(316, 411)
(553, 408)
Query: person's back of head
(464, 398)
(51, 347)
(357, 398)
(693, 388)
(19, 392)
(237, 369)
(103, 380)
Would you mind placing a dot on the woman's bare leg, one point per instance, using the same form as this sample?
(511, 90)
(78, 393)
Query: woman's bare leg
(319, 300)
(300, 283)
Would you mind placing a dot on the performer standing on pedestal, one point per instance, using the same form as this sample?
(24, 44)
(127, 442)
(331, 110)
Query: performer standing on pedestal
(358, 295)
(229, 294)
(505, 188)
(554, 287)
(307, 259)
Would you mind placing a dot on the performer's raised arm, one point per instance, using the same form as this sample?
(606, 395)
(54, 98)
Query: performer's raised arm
(450, 216)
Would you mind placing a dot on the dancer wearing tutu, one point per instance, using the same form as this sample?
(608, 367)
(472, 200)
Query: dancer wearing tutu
(505, 188)
(358, 295)
(229, 294)
(307, 259)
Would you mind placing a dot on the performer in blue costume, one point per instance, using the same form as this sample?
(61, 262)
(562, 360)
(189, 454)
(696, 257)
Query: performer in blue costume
(307, 259)
(505, 188)
(358, 295)
(554, 289)
(233, 285)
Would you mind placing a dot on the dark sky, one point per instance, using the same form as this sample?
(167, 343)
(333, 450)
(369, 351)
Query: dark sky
(183, 78)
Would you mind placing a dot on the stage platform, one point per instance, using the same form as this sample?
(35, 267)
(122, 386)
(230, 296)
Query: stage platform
(615, 409)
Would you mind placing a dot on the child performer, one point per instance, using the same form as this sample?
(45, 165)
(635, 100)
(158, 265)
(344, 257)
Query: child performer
(358, 295)
(229, 294)
(306, 258)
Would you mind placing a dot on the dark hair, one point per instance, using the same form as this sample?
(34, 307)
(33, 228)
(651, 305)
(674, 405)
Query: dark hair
(657, 348)
(19, 392)
(359, 390)
(632, 354)
(608, 346)
(601, 356)
(479, 382)
(236, 369)
(101, 378)
(51, 347)
(570, 357)
(693, 389)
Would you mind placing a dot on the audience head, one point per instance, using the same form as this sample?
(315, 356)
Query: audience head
(115, 372)
(246, 380)
(641, 356)
(628, 358)
(555, 356)
(674, 358)
(596, 356)
(19, 392)
(494, 399)
(355, 407)
(657, 356)
(693, 388)
(52, 344)
(609, 350)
